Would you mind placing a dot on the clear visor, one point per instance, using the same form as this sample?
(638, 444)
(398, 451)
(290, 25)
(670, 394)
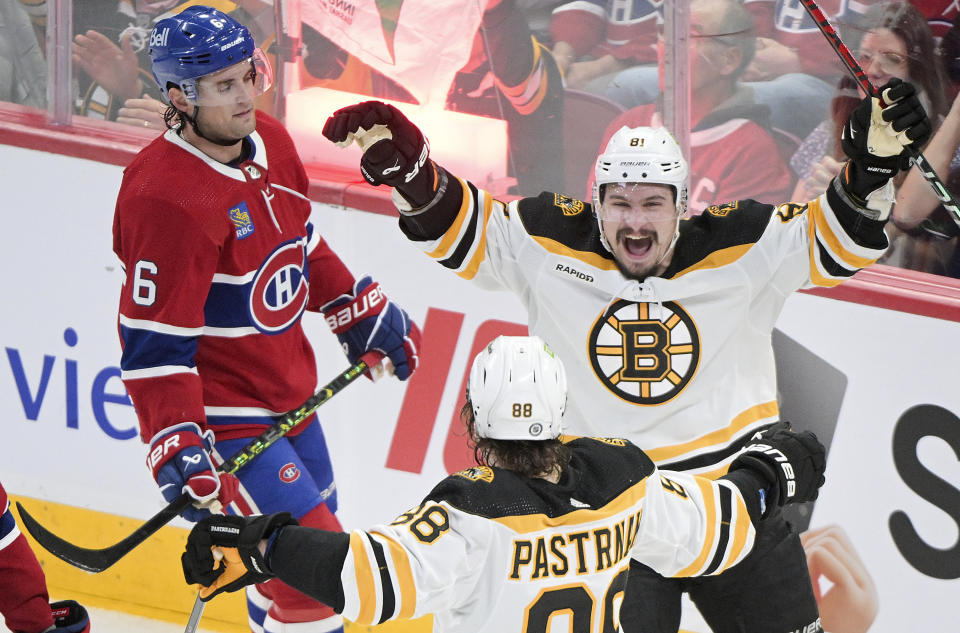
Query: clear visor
(235, 84)
(638, 201)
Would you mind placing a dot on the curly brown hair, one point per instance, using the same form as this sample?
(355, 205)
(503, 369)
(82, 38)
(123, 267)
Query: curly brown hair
(531, 458)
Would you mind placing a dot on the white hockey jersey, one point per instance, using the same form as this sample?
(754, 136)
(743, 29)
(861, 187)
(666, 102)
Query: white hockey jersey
(680, 364)
(491, 551)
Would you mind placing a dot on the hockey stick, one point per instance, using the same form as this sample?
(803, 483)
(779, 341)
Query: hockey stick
(947, 199)
(96, 560)
(195, 614)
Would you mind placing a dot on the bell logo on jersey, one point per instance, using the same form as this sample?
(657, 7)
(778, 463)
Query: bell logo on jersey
(645, 353)
(289, 473)
(240, 216)
(279, 292)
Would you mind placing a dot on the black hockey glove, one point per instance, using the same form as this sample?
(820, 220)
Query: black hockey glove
(238, 540)
(791, 463)
(878, 138)
(395, 151)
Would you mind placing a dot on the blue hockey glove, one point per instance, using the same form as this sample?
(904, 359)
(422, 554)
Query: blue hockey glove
(370, 326)
(179, 458)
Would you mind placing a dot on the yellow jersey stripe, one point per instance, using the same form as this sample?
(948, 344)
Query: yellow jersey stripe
(450, 237)
(740, 533)
(715, 473)
(597, 261)
(404, 577)
(706, 489)
(366, 588)
(481, 250)
(832, 241)
(717, 259)
(816, 276)
(720, 436)
(536, 522)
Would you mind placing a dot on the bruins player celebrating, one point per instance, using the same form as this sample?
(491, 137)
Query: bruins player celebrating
(542, 528)
(675, 314)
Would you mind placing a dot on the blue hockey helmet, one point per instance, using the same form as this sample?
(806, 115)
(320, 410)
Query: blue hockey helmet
(199, 41)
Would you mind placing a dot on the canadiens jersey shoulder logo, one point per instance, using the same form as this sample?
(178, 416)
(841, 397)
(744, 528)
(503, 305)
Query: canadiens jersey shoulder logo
(242, 222)
(645, 353)
(569, 206)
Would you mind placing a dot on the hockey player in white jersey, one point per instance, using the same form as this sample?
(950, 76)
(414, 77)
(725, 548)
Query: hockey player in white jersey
(675, 314)
(537, 537)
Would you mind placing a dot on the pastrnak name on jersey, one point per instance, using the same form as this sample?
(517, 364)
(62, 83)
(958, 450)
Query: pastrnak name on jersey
(575, 552)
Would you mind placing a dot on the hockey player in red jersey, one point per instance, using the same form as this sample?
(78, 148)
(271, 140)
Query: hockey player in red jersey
(675, 315)
(24, 603)
(539, 533)
(221, 260)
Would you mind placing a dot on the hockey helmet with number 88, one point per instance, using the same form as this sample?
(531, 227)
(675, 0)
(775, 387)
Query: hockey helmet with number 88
(642, 155)
(518, 390)
(200, 41)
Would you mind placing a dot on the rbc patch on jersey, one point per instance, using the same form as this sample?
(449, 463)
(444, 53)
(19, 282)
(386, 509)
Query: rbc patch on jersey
(289, 473)
(240, 216)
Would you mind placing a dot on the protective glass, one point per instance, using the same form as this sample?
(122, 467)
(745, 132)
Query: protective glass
(890, 61)
(235, 83)
(624, 201)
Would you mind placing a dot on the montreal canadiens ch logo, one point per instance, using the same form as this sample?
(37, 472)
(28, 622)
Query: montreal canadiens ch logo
(289, 473)
(279, 291)
(645, 353)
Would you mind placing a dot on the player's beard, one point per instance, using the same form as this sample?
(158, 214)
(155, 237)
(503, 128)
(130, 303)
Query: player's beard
(640, 271)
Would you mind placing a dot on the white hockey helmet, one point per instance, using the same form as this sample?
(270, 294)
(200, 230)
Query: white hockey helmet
(518, 390)
(642, 155)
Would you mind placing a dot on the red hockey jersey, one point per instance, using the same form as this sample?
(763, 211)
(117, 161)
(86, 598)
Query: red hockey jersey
(220, 263)
(23, 589)
(628, 31)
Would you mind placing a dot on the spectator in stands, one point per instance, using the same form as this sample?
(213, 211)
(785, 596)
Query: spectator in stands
(512, 76)
(110, 49)
(899, 45)
(794, 64)
(723, 113)
(933, 233)
(593, 40)
(24, 602)
(23, 69)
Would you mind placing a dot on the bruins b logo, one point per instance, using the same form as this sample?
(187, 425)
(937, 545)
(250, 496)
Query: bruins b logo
(644, 353)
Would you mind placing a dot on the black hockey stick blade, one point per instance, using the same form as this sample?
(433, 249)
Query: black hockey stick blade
(97, 560)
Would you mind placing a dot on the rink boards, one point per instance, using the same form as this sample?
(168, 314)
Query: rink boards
(881, 381)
